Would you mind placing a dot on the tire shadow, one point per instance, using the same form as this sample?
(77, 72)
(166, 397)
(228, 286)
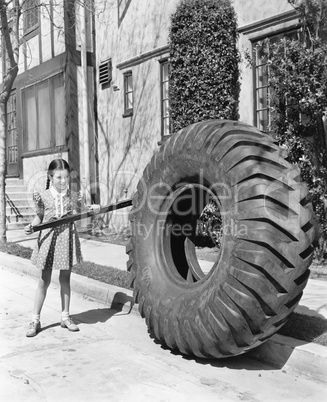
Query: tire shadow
(251, 360)
(121, 304)
(94, 316)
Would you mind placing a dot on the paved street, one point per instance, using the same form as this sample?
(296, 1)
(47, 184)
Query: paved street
(113, 358)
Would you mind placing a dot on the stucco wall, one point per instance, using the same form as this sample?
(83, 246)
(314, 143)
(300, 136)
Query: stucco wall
(126, 145)
(58, 35)
(32, 53)
(257, 10)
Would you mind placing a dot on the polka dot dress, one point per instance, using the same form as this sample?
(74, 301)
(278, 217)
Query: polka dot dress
(57, 248)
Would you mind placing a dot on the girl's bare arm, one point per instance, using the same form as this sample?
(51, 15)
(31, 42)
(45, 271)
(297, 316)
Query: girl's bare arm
(36, 221)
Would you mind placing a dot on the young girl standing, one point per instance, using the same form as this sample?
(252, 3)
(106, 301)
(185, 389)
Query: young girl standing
(59, 247)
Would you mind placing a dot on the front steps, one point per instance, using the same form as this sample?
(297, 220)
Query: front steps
(19, 205)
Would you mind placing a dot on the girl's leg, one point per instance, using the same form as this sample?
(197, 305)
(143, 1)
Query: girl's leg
(66, 321)
(64, 279)
(41, 291)
(40, 295)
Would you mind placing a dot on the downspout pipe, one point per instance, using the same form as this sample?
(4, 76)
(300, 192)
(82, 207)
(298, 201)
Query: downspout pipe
(85, 115)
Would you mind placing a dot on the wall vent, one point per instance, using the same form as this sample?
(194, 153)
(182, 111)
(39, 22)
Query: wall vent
(105, 73)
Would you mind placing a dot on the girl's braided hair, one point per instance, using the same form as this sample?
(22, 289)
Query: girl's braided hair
(56, 164)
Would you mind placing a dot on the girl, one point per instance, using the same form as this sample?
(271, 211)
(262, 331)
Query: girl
(56, 248)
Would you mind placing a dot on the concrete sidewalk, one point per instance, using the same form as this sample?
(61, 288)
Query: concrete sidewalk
(279, 350)
(101, 253)
(113, 358)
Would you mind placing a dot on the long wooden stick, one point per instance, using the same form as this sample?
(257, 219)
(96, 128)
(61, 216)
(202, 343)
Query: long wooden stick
(82, 215)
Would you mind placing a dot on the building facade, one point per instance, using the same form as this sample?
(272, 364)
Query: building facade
(93, 88)
(46, 104)
(133, 109)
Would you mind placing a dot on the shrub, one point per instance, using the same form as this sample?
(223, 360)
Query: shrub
(204, 78)
(209, 226)
(297, 81)
(203, 62)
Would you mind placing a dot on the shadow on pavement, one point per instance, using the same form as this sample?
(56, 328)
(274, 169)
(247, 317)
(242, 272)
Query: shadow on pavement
(56, 324)
(93, 316)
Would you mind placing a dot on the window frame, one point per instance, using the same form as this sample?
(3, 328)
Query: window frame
(164, 81)
(52, 136)
(12, 129)
(256, 89)
(275, 35)
(32, 30)
(128, 111)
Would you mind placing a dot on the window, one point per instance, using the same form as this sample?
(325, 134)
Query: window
(44, 114)
(128, 94)
(261, 85)
(31, 16)
(165, 118)
(12, 150)
(261, 90)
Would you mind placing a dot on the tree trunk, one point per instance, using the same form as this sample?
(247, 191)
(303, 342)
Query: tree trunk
(10, 49)
(3, 164)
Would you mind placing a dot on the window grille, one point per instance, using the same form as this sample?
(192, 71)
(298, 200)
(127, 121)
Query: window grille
(128, 94)
(31, 15)
(12, 149)
(165, 116)
(261, 80)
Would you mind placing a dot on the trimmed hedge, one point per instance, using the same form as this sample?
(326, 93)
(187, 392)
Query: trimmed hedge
(204, 72)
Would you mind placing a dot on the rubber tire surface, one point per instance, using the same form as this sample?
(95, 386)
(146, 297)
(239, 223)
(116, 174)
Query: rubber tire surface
(263, 264)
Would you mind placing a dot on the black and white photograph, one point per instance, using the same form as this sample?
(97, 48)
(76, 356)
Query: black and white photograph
(163, 188)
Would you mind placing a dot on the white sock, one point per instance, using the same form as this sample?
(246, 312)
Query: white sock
(36, 318)
(64, 315)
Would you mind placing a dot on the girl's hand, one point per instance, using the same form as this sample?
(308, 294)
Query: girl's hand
(95, 208)
(28, 229)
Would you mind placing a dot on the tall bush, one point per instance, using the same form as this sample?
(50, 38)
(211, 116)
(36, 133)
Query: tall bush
(204, 62)
(204, 78)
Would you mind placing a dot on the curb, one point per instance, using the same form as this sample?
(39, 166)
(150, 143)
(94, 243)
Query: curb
(306, 359)
(283, 352)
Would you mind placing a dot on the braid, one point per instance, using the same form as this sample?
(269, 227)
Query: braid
(48, 183)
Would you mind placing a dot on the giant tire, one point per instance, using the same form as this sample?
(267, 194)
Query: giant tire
(263, 264)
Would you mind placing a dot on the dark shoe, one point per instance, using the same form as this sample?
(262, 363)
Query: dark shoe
(33, 329)
(69, 324)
